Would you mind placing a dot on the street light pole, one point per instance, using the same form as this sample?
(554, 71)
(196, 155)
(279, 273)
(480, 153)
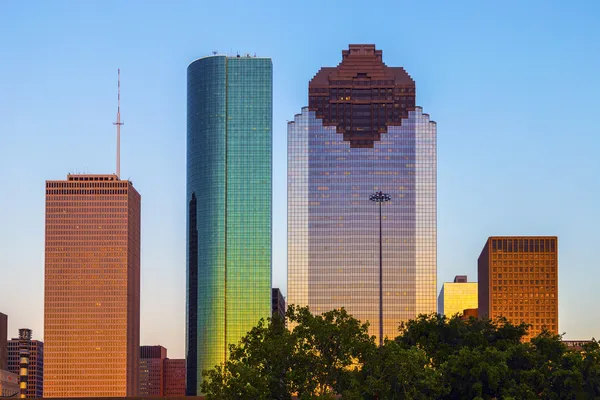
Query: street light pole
(380, 197)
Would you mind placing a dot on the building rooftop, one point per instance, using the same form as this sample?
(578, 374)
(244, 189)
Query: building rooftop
(362, 59)
(92, 177)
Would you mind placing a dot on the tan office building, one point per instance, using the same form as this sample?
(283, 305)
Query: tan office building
(92, 287)
(518, 279)
(457, 296)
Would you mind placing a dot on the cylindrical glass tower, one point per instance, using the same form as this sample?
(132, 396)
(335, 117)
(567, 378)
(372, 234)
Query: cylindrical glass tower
(229, 129)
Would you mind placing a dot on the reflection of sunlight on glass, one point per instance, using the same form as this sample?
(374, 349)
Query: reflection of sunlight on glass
(333, 243)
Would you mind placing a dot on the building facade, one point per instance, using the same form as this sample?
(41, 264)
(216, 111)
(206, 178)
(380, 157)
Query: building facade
(576, 345)
(159, 375)
(362, 133)
(458, 296)
(518, 279)
(9, 384)
(277, 303)
(229, 129)
(35, 380)
(92, 287)
(151, 370)
(174, 377)
(470, 313)
(3, 341)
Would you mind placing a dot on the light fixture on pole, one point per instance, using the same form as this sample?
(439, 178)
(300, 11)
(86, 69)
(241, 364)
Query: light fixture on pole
(380, 197)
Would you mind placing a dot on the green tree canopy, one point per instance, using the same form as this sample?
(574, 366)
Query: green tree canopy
(433, 357)
(314, 359)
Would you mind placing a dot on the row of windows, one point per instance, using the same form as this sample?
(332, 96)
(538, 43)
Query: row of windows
(538, 269)
(523, 245)
(524, 288)
(85, 191)
(530, 282)
(352, 83)
(526, 302)
(86, 185)
(94, 201)
(536, 259)
(505, 295)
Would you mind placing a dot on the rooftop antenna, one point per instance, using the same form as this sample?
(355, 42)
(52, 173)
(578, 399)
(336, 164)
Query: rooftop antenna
(118, 123)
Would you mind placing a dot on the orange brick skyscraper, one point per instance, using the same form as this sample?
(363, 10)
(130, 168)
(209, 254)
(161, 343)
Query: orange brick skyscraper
(92, 287)
(518, 279)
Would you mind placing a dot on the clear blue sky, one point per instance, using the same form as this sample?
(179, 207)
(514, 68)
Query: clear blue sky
(512, 85)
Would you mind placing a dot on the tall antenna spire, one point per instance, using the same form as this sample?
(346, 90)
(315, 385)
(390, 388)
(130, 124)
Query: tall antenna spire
(118, 123)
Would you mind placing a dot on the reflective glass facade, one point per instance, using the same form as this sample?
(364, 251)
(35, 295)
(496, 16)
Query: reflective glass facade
(229, 130)
(455, 297)
(333, 228)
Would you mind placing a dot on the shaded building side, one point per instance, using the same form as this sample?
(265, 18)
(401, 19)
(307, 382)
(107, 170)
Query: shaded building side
(3, 341)
(277, 303)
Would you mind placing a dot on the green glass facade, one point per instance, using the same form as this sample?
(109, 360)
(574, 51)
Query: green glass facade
(229, 134)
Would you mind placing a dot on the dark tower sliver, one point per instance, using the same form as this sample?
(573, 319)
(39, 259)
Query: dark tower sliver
(362, 96)
(192, 350)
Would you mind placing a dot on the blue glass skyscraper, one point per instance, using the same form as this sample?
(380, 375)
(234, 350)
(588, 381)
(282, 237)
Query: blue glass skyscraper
(229, 134)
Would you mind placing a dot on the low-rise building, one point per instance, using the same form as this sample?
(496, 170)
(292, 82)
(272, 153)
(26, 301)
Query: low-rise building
(9, 384)
(35, 373)
(159, 375)
(457, 296)
(174, 377)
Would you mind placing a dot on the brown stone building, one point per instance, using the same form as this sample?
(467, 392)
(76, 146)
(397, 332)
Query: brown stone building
(518, 279)
(92, 287)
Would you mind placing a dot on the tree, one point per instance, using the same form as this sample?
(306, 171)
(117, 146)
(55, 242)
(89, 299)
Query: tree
(440, 336)
(433, 357)
(394, 372)
(484, 359)
(316, 358)
(257, 367)
(590, 369)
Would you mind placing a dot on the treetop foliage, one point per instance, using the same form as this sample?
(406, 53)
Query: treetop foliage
(434, 357)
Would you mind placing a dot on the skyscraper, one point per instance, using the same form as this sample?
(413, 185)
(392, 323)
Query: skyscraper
(458, 296)
(92, 287)
(229, 127)
(362, 133)
(35, 376)
(518, 279)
